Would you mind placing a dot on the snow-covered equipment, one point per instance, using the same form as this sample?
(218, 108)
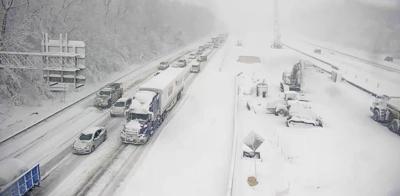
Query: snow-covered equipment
(386, 110)
(292, 81)
(108, 95)
(253, 141)
(300, 113)
(16, 179)
(262, 90)
(152, 102)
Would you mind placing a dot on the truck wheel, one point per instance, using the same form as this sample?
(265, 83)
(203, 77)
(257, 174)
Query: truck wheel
(395, 125)
(375, 115)
(280, 112)
(178, 97)
(92, 149)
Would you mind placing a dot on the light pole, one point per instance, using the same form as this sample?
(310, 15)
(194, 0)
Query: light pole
(277, 34)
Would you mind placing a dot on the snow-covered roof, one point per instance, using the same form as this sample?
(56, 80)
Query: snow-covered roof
(162, 80)
(123, 99)
(142, 101)
(91, 130)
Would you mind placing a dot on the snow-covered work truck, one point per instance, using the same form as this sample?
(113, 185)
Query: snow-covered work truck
(386, 110)
(108, 95)
(152, 102)
(291, 81)
(16, 179)
(195, 68)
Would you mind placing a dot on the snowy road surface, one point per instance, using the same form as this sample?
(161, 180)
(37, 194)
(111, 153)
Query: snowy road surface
(191, 155)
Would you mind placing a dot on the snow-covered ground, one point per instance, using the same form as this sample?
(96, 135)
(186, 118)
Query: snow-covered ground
(350, 155)
(192, 151)
(375, 79)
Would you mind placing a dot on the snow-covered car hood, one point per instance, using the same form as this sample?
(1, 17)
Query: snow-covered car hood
(119, 110)
(132, 126)
(79, 144)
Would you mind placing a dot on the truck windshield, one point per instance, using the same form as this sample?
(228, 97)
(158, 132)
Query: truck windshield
(141, 117)
(104, 93)
(119, 104)
(85, 136)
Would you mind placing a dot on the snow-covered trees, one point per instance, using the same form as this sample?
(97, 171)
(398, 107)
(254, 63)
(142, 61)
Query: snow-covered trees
(117, 32)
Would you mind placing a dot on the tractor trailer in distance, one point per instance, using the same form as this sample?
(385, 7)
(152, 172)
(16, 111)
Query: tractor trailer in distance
(151, 104)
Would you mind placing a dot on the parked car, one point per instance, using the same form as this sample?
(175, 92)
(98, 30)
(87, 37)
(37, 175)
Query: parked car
(89, 140)
(163, 65)
(119, 107)
(301, 114)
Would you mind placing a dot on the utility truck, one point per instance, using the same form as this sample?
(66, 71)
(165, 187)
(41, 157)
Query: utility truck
(108, 95)
(152, 102)
(195, 68)
(291, 81)
(386, 110)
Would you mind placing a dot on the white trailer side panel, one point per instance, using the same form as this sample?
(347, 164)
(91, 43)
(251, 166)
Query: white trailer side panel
(167, 83)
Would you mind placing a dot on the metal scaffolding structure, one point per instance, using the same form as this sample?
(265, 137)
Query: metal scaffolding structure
(61, 61)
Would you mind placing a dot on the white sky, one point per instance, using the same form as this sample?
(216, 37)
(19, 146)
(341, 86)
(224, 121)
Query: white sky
(256, 14)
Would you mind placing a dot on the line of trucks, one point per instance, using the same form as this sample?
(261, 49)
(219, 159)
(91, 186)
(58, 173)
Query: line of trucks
(154, 99)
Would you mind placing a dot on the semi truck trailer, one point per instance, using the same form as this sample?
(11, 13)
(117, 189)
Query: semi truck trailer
(152, 102)
(16, 179)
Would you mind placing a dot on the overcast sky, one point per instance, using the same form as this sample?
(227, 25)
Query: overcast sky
(257, 13)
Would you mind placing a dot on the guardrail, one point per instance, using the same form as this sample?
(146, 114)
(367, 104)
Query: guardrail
(234, 141)
(330, 72)
(376, 64)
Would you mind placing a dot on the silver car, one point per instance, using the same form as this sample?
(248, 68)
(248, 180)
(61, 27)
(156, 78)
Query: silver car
(119, 107)
(89, 140)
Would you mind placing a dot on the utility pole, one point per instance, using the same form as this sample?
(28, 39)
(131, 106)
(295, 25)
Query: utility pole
(277, 33)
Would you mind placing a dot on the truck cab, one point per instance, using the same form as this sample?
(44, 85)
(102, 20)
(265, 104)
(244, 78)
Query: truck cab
(386, 110)
(141, 118)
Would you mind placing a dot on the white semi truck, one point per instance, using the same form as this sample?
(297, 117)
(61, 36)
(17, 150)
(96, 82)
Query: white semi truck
(151, 104)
